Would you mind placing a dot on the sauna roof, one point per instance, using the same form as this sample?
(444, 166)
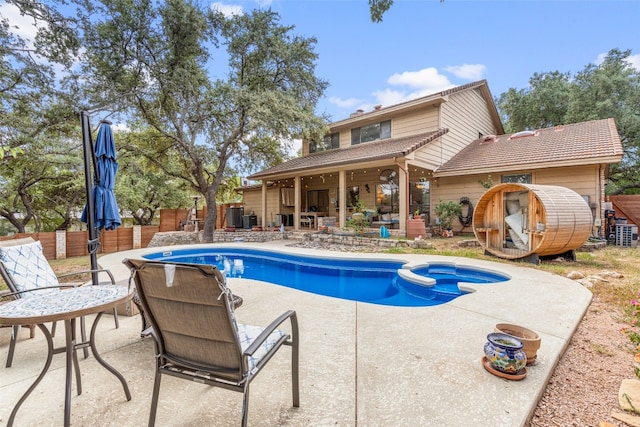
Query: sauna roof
(592, 142)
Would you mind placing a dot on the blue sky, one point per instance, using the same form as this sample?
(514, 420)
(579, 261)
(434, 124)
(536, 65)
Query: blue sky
(424, 46)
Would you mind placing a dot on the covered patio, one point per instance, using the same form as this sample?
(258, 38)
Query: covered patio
(388, 178)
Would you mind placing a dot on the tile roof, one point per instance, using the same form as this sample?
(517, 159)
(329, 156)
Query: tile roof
(591, 142)
(370, 151)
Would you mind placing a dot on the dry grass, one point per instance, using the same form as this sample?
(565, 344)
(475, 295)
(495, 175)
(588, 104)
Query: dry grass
(621, 260)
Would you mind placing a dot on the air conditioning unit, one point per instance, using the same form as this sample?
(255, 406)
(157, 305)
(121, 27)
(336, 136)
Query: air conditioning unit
(627, 235)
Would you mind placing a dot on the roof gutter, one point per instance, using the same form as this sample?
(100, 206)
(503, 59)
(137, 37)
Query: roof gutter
(527, 166)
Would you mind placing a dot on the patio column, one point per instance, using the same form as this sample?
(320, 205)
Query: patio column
(263, 203)
(404, 197)
(342, 197)
(298, 200)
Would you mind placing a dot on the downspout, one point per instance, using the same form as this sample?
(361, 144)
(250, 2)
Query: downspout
(602, 193)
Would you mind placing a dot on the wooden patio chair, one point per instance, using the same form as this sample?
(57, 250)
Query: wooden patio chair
(26, 272)
(196, 334)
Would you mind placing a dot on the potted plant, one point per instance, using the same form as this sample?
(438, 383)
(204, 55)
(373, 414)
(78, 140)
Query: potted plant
(358, 221)
(416, 226)
(530, 339)
(447, 211)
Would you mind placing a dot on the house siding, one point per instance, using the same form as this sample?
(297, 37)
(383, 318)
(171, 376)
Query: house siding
(581, 179)
(454, 188)
(252, 202)
(412, 123)
(415, 122)
(464, 114)
(422, 120)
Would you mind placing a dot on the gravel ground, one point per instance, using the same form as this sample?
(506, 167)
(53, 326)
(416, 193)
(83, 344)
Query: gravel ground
(583, 390)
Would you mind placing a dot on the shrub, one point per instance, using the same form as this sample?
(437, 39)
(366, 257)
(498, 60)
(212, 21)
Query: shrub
(447, 211)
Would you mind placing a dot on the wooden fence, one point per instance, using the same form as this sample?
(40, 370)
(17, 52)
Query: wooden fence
(67, 244)
(172, 219)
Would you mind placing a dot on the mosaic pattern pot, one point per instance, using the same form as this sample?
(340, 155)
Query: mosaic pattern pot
(504, 353)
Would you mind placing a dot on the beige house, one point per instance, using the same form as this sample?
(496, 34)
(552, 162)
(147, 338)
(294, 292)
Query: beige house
(403, 159)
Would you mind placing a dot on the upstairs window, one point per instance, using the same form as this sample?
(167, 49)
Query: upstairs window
(329, 142)
(370, 133)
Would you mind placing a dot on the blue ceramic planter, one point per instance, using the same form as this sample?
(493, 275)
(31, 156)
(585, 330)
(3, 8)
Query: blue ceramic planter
(505, 353)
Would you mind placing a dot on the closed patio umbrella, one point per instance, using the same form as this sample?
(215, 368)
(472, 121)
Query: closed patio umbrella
(106, 212)
(101, 211)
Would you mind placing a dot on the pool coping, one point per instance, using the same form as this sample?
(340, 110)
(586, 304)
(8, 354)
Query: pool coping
(404, 269)
(362, 363)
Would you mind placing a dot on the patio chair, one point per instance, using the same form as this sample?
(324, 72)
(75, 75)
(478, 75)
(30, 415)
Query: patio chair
(196, 334)
(26, 271)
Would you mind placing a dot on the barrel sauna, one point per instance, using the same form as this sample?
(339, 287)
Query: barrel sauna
(516, 221)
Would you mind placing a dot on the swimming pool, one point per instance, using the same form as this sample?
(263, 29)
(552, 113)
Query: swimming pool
(383, 282)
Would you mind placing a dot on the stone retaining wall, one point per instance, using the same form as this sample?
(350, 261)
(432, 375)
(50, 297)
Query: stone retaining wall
(171, 238)
(351, 240)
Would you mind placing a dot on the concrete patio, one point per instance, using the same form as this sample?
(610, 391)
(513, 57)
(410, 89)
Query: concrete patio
(361, 364)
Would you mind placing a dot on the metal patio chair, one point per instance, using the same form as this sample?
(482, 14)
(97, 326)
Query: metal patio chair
(26, 272)
(196, 336)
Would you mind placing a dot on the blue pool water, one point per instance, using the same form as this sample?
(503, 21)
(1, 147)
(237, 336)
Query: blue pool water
(373, 281)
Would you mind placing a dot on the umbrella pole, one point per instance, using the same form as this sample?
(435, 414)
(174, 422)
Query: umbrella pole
(89, 159)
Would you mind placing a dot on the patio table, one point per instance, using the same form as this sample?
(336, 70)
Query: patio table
(310, 219)
(68, 306)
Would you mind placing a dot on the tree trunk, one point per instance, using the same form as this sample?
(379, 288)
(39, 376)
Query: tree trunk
(210, 220)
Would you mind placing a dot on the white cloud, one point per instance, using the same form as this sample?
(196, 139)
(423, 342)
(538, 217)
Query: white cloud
(427, 78)
(600, 58)
(20, 25)
(26, 28)
(633, 60)
(419, 83)
(294, 146)
(410, 85)
(344, 103)
(120, 127)
(388, 97)
(467, 71)
(227, 9)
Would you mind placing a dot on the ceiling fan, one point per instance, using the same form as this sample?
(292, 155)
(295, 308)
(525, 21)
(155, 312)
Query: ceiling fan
(388, 175)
